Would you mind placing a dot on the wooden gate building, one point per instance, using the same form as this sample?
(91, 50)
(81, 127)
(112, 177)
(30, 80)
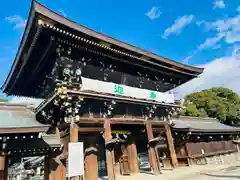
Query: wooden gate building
(111, 95)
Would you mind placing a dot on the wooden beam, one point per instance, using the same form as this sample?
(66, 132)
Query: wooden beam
(171, 145)
(151, 150)
(133, 121)
(90, 129)
(109, 154)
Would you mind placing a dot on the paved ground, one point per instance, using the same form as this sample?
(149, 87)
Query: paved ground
(232, 173)
(204, 172)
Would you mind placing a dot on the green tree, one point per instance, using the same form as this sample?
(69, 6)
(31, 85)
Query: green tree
(220, 103)
(191, 110)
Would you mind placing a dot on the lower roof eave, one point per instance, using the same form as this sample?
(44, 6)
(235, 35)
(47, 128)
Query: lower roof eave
(205, 131)
(22, 130)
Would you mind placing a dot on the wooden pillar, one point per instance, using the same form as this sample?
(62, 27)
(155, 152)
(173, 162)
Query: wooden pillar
(124, 161)
(109, 154)
(171, 145)
(60, 173)
(188, 152)
(132, 155)
(91, 160)
(47, 168)
(51, 170)
(117, 157)
(73, 133)
(74, 138)
(2, 167)
(151, 151)
(59, 170)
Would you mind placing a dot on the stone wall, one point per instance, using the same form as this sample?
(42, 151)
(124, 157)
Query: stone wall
(229, 158)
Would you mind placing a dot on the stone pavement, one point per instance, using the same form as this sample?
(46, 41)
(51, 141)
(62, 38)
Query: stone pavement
(182, 173)
(230, 172)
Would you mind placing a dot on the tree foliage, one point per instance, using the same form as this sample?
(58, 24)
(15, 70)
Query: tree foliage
(220, 103)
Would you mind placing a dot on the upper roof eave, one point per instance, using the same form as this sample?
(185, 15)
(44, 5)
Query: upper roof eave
(71, 24)
(22, 44)
(37, 8)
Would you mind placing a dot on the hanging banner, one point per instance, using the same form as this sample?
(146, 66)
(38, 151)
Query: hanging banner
(123, 90)
(75, 159)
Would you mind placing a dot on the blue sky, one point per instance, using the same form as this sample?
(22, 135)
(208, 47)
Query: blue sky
(193, 32)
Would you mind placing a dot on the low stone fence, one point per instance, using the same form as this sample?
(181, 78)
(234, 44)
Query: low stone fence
(229, 158)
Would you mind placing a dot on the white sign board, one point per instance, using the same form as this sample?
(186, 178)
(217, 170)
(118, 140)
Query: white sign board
(75, 159)
(123, 90)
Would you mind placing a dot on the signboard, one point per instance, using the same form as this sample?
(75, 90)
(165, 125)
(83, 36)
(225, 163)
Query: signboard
(123, 90)
(75, 159)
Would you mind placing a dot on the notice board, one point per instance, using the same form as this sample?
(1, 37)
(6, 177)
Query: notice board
(75, 159)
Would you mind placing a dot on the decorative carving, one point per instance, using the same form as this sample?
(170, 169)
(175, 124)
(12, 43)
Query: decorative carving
(66, 70)
(64, 108)
(149, 112)
(109, 108)
(106, 69)
(141, 79)
(172, 112)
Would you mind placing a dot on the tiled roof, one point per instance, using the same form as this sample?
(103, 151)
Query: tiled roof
(30, 102)
(202, 125)
(15, 117)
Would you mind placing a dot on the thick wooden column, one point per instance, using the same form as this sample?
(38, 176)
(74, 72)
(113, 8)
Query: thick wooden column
(47, 167)
(124, 161)
(59, 170)
(132, 155)
(118, 154)
(60, 173)
(171, 145)
(91, 160)
(51, 170)
(188, 152)
(151, 151)
(73, 133)
(74, 138)
(2, 167)
(109, 154)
